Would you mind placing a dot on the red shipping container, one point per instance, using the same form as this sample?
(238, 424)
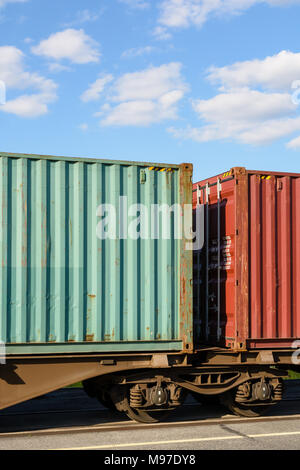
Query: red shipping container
(247, 275)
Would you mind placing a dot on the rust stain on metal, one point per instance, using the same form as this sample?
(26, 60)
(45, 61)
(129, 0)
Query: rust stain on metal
(186, 263)
(89, 338)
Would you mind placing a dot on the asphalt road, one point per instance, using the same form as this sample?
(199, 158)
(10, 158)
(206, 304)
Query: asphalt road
(71, 410)
(285, 435)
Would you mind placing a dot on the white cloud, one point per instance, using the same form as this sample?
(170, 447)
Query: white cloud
(245, 106)
(255, 105)
(151, 83)
(145, 97)
(274, 72)
(95, 89)
(71, 44)
(84, 16)
(137, 51)
(84, 127)
(253, 133)
(161, 33)
(27, 106)
(3, 3)
(11, 67)
(15, 76)
(131, 113)
(55, 67)
(294, 144)
(143, 112)
(139, 4)
(186, 13)
(183, 13)
(270, 131)
(140, 98)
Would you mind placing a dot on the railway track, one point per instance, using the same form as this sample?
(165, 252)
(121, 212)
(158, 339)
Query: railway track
(121, 426)
(45, 416)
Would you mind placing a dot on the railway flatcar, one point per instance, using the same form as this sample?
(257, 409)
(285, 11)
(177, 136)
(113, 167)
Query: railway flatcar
(101, 282)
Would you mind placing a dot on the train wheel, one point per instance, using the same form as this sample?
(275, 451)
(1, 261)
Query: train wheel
(248, 411)
(139, 404)
(148, 417)
(263, 393)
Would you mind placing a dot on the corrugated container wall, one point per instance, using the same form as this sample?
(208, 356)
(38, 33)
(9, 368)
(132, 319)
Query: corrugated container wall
(65, 290)
(247, 276)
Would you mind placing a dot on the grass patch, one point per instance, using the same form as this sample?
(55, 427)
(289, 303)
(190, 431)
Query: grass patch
(293, 375)
(76, 385)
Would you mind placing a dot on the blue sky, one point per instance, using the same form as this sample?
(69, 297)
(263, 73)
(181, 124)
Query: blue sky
(211, 82)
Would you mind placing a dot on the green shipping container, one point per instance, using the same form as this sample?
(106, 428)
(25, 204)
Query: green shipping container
(72, 281)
